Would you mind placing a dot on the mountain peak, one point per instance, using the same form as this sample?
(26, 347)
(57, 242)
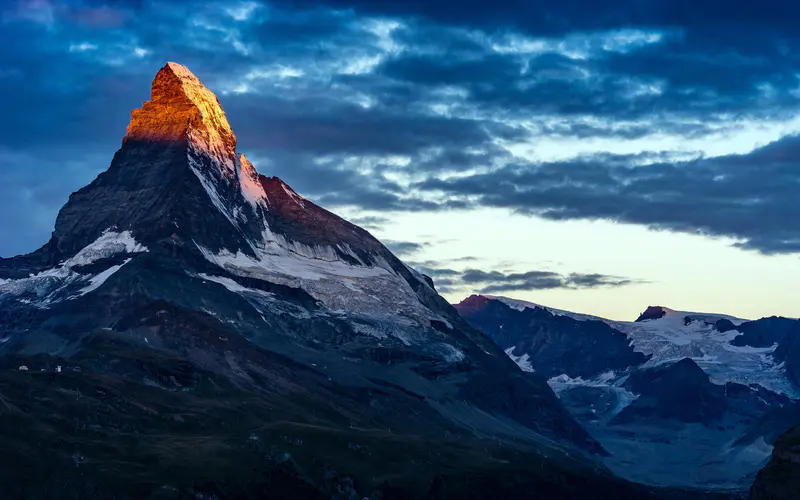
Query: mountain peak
(473, 303)
(653, 312)
(181, 109)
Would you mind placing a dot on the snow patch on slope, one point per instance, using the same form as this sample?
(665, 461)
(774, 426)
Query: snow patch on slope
(107, 245)
(97, 281)
(313, 263)
(521, 305)
(252, 190)
(197, 167)
(451, 354)
(670, 339)
(523, 361)
(46, 286)
(233, 286)
(377, 300)
(564, 381)
(294, 196)
(609, 382)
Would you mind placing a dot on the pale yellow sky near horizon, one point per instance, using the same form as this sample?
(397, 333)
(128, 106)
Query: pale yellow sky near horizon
(683, 272)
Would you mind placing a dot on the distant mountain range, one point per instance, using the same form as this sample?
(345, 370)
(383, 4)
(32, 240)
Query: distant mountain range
(677, 398)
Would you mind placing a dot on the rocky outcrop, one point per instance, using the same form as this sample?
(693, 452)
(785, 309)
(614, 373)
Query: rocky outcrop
(683, 392)
(680, 391)
(780, 479)
(783, 333)
(652, 312)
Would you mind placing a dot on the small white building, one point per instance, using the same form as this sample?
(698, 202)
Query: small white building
(58, 369)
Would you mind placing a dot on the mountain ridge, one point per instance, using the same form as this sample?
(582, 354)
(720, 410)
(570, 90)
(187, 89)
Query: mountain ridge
(677, 397)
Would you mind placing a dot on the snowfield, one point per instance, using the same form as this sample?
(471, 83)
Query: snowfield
(54, 285)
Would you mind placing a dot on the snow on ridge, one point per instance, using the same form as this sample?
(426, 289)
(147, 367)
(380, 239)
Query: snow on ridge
(450, 353)
(379, 301)
(251, 188)
(698, 316)
(47, 284)
(291, 259)
(294, 196)
(210, 188)
(746, 349)
(521, 305)
(564, 381)
(97, 281)
(522, 361)
(233, 286)
(669, 339)
(108, 244)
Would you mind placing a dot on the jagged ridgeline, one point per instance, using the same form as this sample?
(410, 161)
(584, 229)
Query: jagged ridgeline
(220, 336)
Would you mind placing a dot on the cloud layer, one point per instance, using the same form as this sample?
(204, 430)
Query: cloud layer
(470, 280)
(558, 109)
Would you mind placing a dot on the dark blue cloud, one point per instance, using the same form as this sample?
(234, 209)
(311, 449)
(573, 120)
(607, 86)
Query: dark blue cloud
(751, 197)
(709, 20)
(450, 280)
(372, 103)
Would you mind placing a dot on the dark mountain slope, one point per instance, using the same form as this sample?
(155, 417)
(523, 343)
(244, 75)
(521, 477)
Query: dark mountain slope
(555, 344)
(780, 479)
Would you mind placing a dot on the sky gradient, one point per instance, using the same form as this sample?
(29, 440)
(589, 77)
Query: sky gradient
(597, 159)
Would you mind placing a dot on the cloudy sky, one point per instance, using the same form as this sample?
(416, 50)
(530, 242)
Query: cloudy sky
(593, 156)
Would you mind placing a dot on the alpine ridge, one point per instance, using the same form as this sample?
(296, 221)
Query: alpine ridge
(677, 398)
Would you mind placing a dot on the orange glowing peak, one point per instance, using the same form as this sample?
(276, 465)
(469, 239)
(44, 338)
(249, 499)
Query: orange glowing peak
(182, 109)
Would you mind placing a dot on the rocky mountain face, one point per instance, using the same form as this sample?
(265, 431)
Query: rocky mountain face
(780, 335)
(682, 392)
(676, 398)
(194, 329)
(780, 479)
(554, 344)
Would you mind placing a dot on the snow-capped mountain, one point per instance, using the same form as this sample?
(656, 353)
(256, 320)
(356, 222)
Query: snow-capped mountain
(187, 302)
(178, 182)
(667, 336)
(633, 382)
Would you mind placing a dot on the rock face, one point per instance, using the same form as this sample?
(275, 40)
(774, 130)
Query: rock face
(554, 345)
(652, 312)
(247, 340)
(780, 479)
(682, 392)
(781, 334)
